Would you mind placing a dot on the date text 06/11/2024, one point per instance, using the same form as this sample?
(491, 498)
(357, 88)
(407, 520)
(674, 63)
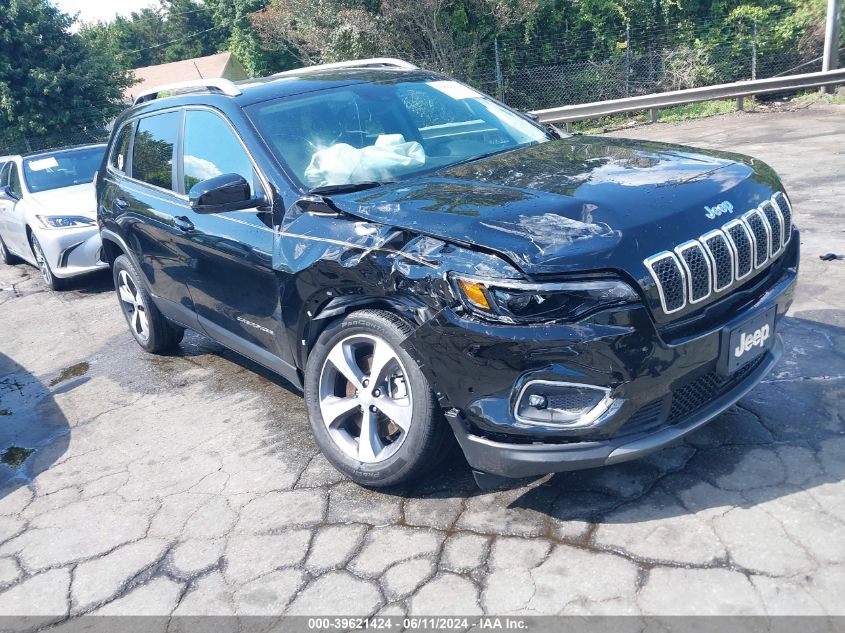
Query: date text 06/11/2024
(416, 623)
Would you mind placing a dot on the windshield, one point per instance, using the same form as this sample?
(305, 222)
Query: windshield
(378, 132)
(62, 169)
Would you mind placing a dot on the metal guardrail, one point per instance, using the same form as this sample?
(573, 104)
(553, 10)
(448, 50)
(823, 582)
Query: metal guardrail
(737, 90)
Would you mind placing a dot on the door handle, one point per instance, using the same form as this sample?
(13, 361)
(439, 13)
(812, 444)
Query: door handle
(121, 204)
(183, 223)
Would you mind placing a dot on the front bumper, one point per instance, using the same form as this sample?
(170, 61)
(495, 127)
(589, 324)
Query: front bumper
(529, 460)
(72, 252)
(665, 382)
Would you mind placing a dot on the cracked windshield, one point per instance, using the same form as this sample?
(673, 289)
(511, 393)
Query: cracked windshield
(383, 132)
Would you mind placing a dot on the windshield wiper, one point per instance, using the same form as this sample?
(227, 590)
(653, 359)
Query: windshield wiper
(349, 187)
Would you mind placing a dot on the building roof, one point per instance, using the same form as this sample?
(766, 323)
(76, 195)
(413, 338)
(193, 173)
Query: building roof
(220, 65)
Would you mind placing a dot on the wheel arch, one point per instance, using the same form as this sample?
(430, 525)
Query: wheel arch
(338, 308)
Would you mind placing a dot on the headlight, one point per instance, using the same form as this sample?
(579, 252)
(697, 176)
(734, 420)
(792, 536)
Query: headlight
(523, 302)
(64, 221)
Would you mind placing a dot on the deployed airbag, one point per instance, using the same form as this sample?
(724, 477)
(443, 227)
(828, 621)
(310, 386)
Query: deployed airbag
(341, 163)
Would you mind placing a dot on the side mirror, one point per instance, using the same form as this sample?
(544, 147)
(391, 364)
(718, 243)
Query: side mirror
(227, 192)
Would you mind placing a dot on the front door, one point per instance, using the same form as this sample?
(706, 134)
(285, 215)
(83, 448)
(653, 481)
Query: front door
(15, 232)
(6, 204)
(234, 288)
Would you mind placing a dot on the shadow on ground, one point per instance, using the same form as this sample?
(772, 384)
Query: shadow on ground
(34, 433)
(769, 443)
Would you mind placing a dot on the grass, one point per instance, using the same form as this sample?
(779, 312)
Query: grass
(667, 115)
(14, 456)
(816, 97)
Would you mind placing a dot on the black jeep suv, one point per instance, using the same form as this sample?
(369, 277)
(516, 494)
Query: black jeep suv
(421, 260)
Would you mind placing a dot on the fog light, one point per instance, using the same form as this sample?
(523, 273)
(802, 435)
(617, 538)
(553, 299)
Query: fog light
(570, 405)
(537, 401)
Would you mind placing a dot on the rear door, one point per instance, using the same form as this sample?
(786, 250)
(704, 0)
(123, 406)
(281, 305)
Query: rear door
(152, 214)
(232, 282)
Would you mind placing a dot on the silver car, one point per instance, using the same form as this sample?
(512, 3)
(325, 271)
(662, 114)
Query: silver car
(48, 212)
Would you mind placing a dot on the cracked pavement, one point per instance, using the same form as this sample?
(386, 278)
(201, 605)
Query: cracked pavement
(189, 484)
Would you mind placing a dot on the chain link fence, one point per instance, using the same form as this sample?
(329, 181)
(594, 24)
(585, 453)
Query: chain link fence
(543, 74)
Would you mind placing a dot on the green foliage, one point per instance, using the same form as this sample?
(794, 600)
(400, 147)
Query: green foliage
(233, 16)
(50, 79)
(180, 29)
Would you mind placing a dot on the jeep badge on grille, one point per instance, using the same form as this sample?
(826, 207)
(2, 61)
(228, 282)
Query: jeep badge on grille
(714, 212)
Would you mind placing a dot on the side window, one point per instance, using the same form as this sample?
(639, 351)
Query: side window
(152, 154)
(15, 182)
(120, 150)
(212, 149)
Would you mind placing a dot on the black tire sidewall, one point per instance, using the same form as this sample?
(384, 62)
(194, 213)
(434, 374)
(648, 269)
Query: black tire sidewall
(160, 335)
(407, 461)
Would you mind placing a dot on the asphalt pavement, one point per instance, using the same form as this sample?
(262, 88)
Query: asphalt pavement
(189, 484)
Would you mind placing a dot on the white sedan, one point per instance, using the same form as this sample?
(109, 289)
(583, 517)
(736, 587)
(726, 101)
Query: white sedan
(48, 214)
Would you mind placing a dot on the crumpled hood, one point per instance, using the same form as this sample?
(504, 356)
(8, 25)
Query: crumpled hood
(547, 206)
(75, 200)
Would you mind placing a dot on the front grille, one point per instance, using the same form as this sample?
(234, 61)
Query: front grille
(686, 400)
(717, 260)
(693, 396)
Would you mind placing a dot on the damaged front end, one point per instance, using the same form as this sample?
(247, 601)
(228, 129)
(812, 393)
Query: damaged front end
(537, 323)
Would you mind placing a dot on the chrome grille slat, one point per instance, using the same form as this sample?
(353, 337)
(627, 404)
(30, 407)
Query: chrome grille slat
(785, 209)
(756, 221)
(722, 257)
(698, 270)
(671, 284)
(742, 241)
(775, 221)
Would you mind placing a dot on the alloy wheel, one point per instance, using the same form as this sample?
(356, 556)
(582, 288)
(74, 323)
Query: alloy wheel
(365, 398)
(46, 273)
(133, 305)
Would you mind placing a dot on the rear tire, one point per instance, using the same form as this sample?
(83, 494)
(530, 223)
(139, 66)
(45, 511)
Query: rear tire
(147, 325)
(51, 281)
(386, 428)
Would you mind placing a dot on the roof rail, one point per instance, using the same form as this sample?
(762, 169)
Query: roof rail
(373, 62)
(223, 86)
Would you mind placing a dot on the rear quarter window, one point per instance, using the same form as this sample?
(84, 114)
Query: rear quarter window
(120, 151)
(153, 150)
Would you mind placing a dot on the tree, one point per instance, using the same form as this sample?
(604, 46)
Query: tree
(243, 40)
(51, 80)
(443, 34)
(178, 29)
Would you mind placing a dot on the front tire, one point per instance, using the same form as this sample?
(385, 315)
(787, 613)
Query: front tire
(5, 256)
(52, 282)
(370, 407)
(148, 326)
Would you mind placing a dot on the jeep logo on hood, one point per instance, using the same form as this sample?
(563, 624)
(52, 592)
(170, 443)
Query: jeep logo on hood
(714, 212)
